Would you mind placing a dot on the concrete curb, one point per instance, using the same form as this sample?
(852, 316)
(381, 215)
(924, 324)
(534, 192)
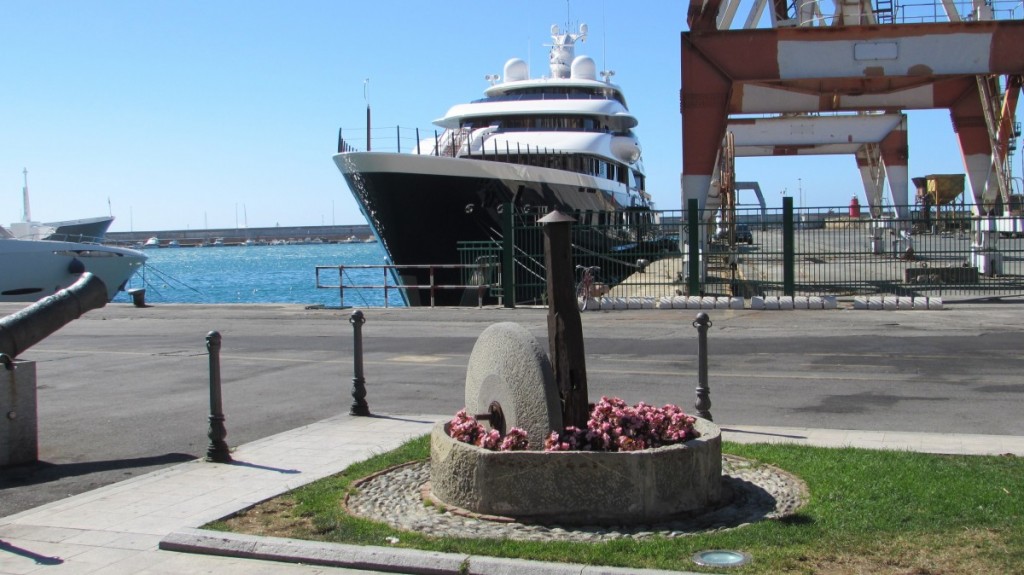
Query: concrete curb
(386, 559)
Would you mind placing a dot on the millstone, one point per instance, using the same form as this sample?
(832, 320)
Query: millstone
(508, 367)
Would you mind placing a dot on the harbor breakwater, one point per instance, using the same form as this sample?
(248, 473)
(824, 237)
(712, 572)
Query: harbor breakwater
(238, 236)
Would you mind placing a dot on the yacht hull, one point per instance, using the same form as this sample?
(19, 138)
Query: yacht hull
(420, 207)
(34, 269)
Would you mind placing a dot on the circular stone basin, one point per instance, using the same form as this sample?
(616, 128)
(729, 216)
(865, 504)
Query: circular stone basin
(579, 487)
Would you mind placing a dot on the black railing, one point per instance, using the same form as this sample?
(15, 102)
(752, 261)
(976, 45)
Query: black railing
(479, 278)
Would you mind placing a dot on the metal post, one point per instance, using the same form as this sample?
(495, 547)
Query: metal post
(788, 248)
(341, 286)
(359, 406)
(703, 403)
(693, 218)
(508, 286)
(218, 451)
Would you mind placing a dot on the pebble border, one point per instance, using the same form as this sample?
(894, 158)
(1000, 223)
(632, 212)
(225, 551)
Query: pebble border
(394, 496)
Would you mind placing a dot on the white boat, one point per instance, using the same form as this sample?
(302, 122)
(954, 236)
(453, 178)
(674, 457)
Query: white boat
(563, 141)
(34, 269)
(153, 242)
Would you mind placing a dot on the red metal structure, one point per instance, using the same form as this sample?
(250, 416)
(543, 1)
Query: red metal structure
(857, 69)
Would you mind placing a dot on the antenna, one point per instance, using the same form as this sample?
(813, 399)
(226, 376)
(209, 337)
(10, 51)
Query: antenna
(366, 96)
(604, 38)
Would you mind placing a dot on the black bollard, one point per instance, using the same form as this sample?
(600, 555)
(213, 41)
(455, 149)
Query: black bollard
(218, 451)
(359, 406)
(703, 403)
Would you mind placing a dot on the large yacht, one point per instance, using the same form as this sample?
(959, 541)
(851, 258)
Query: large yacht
(563, 141)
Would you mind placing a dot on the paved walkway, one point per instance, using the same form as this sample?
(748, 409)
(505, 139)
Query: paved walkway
(119, 528)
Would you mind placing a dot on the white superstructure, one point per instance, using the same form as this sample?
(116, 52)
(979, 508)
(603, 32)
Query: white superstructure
(34, 269)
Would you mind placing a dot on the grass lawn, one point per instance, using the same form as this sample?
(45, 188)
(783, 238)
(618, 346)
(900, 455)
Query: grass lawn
(877, 512)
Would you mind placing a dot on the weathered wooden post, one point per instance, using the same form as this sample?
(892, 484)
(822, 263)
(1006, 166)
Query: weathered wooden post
(217, 451)
(565, 330)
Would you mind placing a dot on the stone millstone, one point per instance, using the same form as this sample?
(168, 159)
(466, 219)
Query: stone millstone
(508, 366)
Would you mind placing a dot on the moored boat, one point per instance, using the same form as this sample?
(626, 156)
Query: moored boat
(34, 269)
(560, 142)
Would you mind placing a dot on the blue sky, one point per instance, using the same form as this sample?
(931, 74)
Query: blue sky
(188, 114)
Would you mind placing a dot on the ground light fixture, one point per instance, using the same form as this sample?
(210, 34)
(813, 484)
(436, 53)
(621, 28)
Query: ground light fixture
(721, 558)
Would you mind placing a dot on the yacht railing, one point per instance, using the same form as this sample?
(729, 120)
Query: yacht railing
(347, 281)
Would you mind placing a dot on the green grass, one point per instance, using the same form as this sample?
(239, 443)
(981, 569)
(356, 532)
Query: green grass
(869, 512)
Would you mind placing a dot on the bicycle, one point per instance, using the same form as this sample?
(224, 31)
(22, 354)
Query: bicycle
(585, 286)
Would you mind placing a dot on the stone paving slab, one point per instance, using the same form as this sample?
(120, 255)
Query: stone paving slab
(953, 443)
(379, 558)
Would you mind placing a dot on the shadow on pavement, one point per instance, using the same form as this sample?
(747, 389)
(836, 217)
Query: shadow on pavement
(43, 472)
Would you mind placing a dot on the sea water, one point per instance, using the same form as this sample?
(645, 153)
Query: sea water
(262, 274)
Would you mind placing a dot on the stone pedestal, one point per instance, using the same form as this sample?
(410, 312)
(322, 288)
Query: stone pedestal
(19, 434)
(579, 487)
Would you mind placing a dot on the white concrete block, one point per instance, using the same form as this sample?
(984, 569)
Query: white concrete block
(935, 303)
(664, 303)
(889, 303)
(800, 302)
(874, 303)
(815, 302)
(830, 302)
(860, 302)
(721, 303)
(707, 302)
(648, 303)
(786, 302)
(736, 303)
(757, 302)
(771, 302)
(904, 303)
(920, 303)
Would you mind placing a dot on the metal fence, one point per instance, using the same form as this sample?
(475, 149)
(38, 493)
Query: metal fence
(791, 251)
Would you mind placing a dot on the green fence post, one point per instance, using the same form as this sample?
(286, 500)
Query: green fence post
(788, 249)
(508, 269)
(693, 248)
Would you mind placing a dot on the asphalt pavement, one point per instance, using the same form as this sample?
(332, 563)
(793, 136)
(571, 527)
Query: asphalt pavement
(124, 391)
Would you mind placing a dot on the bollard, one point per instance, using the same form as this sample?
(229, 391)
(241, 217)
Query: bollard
(359, 406)
(703, 403)
(218, 450)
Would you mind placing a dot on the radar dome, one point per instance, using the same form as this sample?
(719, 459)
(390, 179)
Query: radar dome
(626, 148)
(583, 68)
(516, 70)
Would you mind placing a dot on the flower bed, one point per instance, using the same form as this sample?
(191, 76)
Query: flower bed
(613, 426)
(582, 487)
